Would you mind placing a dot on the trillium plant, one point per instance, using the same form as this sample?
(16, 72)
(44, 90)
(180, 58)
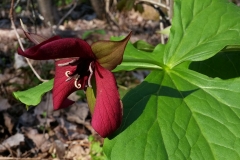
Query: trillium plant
(188, 107)
(77, 66)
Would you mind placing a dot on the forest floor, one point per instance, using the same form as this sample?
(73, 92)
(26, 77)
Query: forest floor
(39, 132)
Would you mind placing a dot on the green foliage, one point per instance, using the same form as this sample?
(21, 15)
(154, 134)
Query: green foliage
(188, 106)
(81, 94)
(86, 34)
(96, 150)
(134, 58)
(32, 96)
(183, 110)
(165, 31)
(63, 2)
(18, 9)
(128, 5)
(144, 46)
(224, 65)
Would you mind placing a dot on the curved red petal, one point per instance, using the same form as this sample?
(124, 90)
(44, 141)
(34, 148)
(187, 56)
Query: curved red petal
(107, 115)
(62, 88)
(57, 47)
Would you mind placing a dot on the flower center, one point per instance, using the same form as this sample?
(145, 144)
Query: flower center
(82, 74)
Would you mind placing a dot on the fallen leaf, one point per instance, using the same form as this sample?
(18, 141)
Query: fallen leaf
(9, 122)
(4, 105)
(60, 148)
(19, 61)
(12, 141)
(38, 139)
(77, 113)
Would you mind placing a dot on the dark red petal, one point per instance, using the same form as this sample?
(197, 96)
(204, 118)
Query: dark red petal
(57, 47)
(107, 115)
(62, 88)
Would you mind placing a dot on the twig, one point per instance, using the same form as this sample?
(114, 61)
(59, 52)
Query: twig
(20, 43)
(69, 12)
(16, 3)
(34, 16)
(110, 16)
(170, 9)
(164, 20)
(155, 3)
(9, 149)
(47, 110)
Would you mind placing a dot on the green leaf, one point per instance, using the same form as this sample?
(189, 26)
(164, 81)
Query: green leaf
(180, 114)
(125, 5)
(224, 65)
(18, 9)
(200, 29)
(144, 46)
(32, 96)
(165, 31)
(137, 59)
(96, 151)
(231, 48)
(86, 34)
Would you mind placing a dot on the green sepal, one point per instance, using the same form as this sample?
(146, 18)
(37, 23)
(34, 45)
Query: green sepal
(91, 99)
(110, 53)
(91, 96)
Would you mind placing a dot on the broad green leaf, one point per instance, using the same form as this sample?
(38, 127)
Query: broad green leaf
(137, 59)
(200, 29)
(179, 114)
(32, 96)
(224, 65)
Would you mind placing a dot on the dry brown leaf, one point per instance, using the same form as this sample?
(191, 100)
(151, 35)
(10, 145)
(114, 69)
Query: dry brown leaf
(77, 113)
(12, 141)
(4, 105)
(60, 148)
(39, 139)
(8, 121)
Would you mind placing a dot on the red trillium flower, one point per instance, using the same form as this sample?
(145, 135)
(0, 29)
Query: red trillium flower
(81, 66)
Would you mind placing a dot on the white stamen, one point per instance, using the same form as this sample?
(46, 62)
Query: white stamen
(90, 76)
(77, 85)
(67, 63)
(67, 73)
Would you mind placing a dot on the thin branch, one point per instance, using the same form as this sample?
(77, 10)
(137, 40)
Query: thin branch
(34, 16)
(171, 9)
(155, 3)
(69, 12)
(110, 16)
(20, 43)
